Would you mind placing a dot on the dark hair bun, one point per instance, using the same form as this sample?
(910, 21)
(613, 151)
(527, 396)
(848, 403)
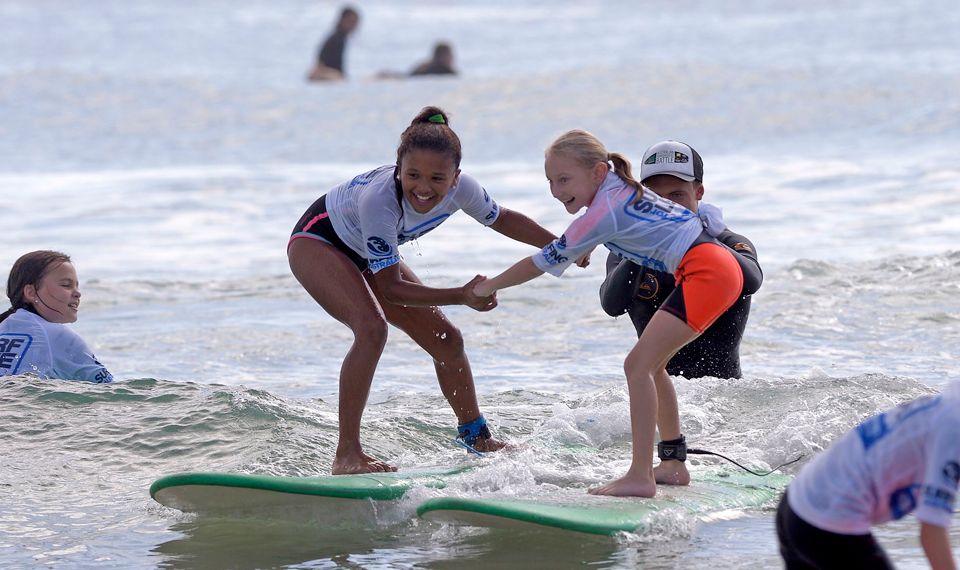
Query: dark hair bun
(422, 134)
(431, 114)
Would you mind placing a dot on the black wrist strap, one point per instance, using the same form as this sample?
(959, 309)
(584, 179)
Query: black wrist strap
(675, 449)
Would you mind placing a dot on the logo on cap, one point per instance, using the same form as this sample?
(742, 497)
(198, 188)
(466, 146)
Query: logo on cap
(664, 156)
(674, 158)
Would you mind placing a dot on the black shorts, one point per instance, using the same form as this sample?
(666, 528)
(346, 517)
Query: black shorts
(315, 224)
(804, 546)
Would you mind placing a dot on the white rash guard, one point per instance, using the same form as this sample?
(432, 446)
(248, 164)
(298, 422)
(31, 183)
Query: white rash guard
(653, 231)
(31, 344)
(371, 216)
(903, 460)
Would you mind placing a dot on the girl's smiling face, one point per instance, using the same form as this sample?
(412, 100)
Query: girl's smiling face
(56, 297)
(570, 182)
(426, 177)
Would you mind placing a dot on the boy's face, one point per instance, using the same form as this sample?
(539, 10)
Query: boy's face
(687, 194)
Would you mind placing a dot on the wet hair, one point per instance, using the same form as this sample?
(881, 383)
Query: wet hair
(30, 269)
(587, 150)
(442, 49)
(347, 13)
(430, 130)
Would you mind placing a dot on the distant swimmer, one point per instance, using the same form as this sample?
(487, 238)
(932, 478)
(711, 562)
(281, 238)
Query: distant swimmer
(904, 460)
(329, 65)
(632, 221)
(440, 64)
(640, 290)
(44, 294)
(345, 253)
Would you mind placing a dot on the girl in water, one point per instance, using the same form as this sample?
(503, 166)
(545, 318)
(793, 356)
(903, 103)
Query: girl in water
(44, 295)
(633, 221)
(344, 251)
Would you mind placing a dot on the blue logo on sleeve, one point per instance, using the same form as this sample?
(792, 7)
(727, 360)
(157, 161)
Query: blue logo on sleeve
(378, 247)
(937, 498)
(552, 254)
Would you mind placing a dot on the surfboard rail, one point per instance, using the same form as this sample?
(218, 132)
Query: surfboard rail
(603, 515)
(199, 491)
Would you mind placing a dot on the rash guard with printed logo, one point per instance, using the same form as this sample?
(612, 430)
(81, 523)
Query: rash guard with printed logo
(31, 344)
(652, 231)
(372, 217)
(903, 460)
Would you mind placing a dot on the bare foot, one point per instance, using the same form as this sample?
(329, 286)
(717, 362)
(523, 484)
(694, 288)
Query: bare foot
(488, 444)
(627, 486)
(359, 463)
(672, 472)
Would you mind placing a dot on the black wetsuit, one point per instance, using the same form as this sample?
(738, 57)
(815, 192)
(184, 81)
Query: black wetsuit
(331, 54)
(433, 68)
(640, 291)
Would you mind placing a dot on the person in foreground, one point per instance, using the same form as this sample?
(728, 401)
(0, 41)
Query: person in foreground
(639, 291)
(344, 251)
(44, 295)
(903, 460)
(634, 222)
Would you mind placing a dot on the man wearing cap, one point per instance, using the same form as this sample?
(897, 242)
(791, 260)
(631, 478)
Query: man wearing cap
(674, 170)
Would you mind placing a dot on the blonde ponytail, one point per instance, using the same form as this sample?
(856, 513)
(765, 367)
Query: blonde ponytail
(587, 150)
(623, 169)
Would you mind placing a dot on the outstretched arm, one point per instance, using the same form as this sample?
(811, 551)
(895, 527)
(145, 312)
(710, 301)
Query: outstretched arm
(521, 272)
(519, 227)
(399, 291)
(936, 545)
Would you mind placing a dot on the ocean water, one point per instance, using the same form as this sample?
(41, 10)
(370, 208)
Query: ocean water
(170, 147)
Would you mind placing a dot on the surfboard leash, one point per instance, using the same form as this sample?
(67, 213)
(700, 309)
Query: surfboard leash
(695, 451)
(467, 446)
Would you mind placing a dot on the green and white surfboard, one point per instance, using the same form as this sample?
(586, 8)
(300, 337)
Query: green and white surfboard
(210, 492)
(707, 494)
